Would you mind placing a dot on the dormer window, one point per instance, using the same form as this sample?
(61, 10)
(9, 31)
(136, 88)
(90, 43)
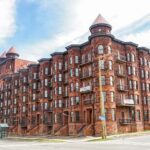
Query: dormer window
(100, 49)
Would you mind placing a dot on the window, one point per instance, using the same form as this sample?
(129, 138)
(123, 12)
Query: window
(66, 103)
(77, 100)
(101, 64)
(51, 95)
(71, 72)
(66, 78)
(24, 98)
(24, 89)
(129, 70)
(72, 101)
(46, 71)
(83, 59)
(66, 65)
(142, 74)
(130, 84)
(55, 66)
(109, 50)
(104, 96)
(110, 65)
(59, 65)
(16, 82)
(136, 98)
(112, 96)
(45, 93)
(16, 91)
(15, 101)
(55, 104)
(15, 110)
(23, 109)
(146, 74)
(72, 116)
(145, 100)
(77, 115)
(59, 90)
(55, 91)
(76, 59)
(46, 82)
(33, 96)
(77, 86)
(132, 57)
(128, 56)
(55, 118)
(89, 57)
(113, 112)
(33, 108)
(143, 86)
(60, 103)
(103, 80)
(100, 49)
(24, 79)
(60, 77)
(146, 116)
(89, 71)
(71, 60)
(141, 62)
(138, 115)
(145, 62)
(111, 80)
(45, 106)
(66, 91)
(34, 75)
(76, 72)
(34, 86)
(55, 78)
(133, 70)
(71, 87)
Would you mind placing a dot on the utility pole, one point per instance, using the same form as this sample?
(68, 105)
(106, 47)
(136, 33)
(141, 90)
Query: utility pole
(102, 104)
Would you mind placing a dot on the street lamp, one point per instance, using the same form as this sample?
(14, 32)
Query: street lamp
(102, 105)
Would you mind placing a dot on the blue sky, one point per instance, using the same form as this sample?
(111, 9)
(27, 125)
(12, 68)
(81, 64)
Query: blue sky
(39, 27)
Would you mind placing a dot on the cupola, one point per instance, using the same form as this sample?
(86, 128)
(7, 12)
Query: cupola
(100, 25)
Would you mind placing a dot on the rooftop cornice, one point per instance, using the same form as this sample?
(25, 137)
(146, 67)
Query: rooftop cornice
(43, 59)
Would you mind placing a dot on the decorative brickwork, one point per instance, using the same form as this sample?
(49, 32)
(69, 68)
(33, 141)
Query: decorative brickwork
(61, 95)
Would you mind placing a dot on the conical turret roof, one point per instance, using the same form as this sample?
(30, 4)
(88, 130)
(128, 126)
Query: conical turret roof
(101, 22)
(12, 50)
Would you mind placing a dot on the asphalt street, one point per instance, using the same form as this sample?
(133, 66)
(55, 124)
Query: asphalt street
(124, 143)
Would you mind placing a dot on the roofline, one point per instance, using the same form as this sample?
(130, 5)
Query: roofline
(43, 59)
(100, 25)
(56, 53)
(33, 65)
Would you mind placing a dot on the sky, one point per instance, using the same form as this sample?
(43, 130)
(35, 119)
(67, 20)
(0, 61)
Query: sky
(37, 28)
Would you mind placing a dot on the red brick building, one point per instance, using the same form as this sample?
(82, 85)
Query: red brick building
(60, 95)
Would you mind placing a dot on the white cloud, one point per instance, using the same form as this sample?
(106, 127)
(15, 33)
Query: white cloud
(142, 39)
(46, 47)
(80, 16)
(7, 19)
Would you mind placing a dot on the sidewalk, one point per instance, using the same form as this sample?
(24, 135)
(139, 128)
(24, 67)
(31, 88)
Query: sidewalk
(74, 139)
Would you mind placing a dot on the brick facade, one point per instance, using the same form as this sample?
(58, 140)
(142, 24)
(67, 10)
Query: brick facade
(60, 95)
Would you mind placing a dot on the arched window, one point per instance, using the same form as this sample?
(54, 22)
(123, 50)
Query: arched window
(109, 50)
(100, 49)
